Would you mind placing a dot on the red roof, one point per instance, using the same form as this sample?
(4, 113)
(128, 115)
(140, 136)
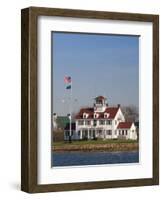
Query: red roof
(112, 111)
(100, 98)
(124, 125)
(89, 111)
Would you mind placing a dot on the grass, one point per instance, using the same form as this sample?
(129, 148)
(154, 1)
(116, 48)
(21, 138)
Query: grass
(83, 142)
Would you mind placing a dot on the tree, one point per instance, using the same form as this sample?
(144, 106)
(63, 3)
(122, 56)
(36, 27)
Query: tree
(131, 113)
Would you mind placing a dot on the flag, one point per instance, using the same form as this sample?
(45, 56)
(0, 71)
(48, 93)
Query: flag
(68, 87)
(67, 79)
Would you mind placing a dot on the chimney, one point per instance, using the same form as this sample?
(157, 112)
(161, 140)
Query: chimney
(119, 105)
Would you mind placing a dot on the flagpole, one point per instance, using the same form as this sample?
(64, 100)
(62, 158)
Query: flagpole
(70, 112)
(68, 80)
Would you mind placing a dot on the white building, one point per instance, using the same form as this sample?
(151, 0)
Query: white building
(101, 121)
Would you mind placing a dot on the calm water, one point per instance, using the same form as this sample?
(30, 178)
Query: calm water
(93, 158)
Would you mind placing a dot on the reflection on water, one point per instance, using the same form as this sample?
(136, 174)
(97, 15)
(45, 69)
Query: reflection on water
(93, 158)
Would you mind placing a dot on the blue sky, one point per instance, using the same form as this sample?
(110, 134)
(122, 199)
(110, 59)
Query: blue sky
(98, 65)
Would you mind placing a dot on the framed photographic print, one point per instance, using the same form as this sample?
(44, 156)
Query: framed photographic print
(90, 99)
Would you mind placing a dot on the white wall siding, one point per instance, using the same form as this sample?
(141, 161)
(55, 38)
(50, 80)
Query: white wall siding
(103, 130)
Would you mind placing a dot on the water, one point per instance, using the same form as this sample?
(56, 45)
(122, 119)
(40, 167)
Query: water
(93, 158)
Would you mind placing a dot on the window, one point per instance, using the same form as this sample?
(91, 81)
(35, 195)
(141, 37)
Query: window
(108, 122)
(123, 132)
(78, 133)
(87, 122)
(101, 122)
(109, 132)
(106, 115)
(96, 115)
(115, 122)
(119, 132)
(126, 132)
(94, 123)
(85, 115)
(80, 122)
(67, 133)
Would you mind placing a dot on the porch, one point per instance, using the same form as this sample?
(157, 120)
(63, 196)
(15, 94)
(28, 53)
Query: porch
(92, 133)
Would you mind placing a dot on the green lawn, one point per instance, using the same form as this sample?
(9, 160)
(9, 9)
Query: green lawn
(82, 142)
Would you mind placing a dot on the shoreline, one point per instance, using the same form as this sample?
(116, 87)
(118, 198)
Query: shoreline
(94, 151)
(121, 147)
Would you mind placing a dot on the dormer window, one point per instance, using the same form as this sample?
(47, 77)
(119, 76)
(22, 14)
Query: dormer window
(106, 115)
(85, 115)
(96, 115)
